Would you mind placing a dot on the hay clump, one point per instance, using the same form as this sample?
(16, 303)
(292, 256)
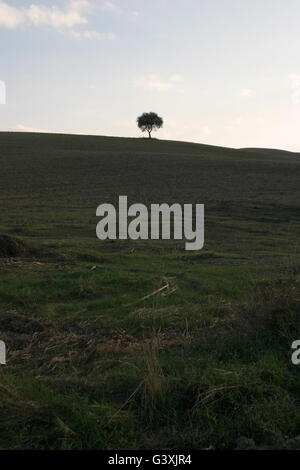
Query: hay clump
(12, 246)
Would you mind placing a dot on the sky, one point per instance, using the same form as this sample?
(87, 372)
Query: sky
(219, 72)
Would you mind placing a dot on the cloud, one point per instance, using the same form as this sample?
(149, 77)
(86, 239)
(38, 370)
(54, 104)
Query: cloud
(153, 82)
(37, 15)
(245, 92)
(91, 35)
(22, 128)
(10, 17)
(111, 6)
(40, 15)
(44, 16)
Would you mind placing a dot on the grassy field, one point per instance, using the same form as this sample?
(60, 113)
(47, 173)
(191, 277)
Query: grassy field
(92, 363)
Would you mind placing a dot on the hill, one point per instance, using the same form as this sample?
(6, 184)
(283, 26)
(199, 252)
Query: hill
(140, 344)
(93, 168)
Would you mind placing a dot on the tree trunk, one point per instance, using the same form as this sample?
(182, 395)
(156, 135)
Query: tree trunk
(149, 132)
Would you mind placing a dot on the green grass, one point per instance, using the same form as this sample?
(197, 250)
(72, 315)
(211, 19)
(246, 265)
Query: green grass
(93, 363)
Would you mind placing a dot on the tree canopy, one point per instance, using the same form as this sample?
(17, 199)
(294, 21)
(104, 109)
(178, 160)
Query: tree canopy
(149, 122)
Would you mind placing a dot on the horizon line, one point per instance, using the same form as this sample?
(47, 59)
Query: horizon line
(46, 132)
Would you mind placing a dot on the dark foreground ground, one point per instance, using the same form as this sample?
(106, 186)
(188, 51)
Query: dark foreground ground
(92, 363)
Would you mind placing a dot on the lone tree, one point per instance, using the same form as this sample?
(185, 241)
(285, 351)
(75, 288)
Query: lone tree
(149, 122)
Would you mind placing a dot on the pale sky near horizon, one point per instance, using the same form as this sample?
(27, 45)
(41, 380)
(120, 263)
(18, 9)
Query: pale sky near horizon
(220, 72)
